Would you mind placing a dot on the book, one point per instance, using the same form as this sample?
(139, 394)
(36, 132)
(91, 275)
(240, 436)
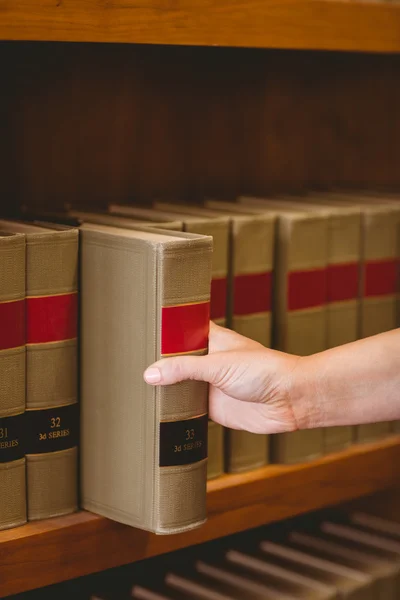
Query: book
(248, 312)
(218, 229)
(379, 243)
(343, 281)
(145, 295)
(300, 303)
(104, 218)
(51, 431)
(12, 380)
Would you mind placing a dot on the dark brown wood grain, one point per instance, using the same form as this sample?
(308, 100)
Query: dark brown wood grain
(300, 24)
(46, 552)
(90, 124)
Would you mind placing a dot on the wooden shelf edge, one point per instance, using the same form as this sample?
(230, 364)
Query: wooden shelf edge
(290, 24)
(47, 552)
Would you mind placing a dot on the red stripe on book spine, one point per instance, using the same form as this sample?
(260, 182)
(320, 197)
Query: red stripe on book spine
(184, 328)
(12, 324)
(307, 289)
(252, 293)
(51, 318)
(343, 282)
(381, 277)
(218, 298)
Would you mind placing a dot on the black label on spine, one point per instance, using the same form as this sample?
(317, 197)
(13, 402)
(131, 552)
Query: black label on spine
(11, 438)
(183, 442)
(52, 429)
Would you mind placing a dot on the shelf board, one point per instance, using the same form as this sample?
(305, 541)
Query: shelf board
(295, 24)
(46, 552)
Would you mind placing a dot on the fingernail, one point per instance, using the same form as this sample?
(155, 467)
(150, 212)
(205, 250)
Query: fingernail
(152, 375)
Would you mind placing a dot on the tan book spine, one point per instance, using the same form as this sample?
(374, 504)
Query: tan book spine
(127, 222)
(300, 304)
(343, 280)
(12, 380)
(145, 295)
(249, 309)
(52, 386)
(219, 230)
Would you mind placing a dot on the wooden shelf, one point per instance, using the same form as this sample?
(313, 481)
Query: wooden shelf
(47, 552)
(295, 24)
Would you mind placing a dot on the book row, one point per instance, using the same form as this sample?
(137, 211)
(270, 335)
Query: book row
(335, 555)
(298, 274)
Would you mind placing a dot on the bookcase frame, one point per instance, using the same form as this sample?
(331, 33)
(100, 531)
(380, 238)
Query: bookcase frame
(182, 100)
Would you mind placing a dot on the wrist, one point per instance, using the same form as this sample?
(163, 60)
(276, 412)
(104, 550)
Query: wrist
(305, 397)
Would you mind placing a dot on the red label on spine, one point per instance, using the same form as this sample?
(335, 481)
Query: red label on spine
(381, 277)
(252, 293)
(12, 324)
(343, 282)
(184, 328)
(218, 298)
(307, 289)
(52, 318)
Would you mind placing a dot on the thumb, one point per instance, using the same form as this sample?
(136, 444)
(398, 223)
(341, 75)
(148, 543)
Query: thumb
(180, 368)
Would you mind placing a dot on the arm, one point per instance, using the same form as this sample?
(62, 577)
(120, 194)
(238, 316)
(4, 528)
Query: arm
(266, 391)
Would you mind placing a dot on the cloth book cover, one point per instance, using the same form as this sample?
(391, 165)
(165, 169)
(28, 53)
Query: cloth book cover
(145, 295)
(300, 303)
(218, 229)
(12, 380)
(343, 279)
(249, 289)
(379, 245)
(51, 429)
(104, 218)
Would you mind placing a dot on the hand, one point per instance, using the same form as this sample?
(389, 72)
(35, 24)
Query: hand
(250, 386)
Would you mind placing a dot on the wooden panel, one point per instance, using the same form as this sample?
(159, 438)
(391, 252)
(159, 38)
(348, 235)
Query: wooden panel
(49, 551)
(89, 124)
(310, 24)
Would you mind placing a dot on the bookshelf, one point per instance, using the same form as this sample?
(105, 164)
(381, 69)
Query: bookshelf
(298, 24)
(47, 552)
(216, 98)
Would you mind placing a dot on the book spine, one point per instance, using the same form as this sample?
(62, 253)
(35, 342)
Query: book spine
(52, 409)
(12, 381)
(180, 500)
(343, 281)
(252, 262)
(300, 312)
(379, 292)
(218, 314)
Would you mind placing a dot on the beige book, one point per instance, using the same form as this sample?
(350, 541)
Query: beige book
(51, 368)
(12, 380)
(145, 295)
(308, 587)
(104, 218)
(344, 281)
(218, 229)
(249, 578)
(384, 574)
(250, 264)
(349, 582)
(300, 309)
(378, 281)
